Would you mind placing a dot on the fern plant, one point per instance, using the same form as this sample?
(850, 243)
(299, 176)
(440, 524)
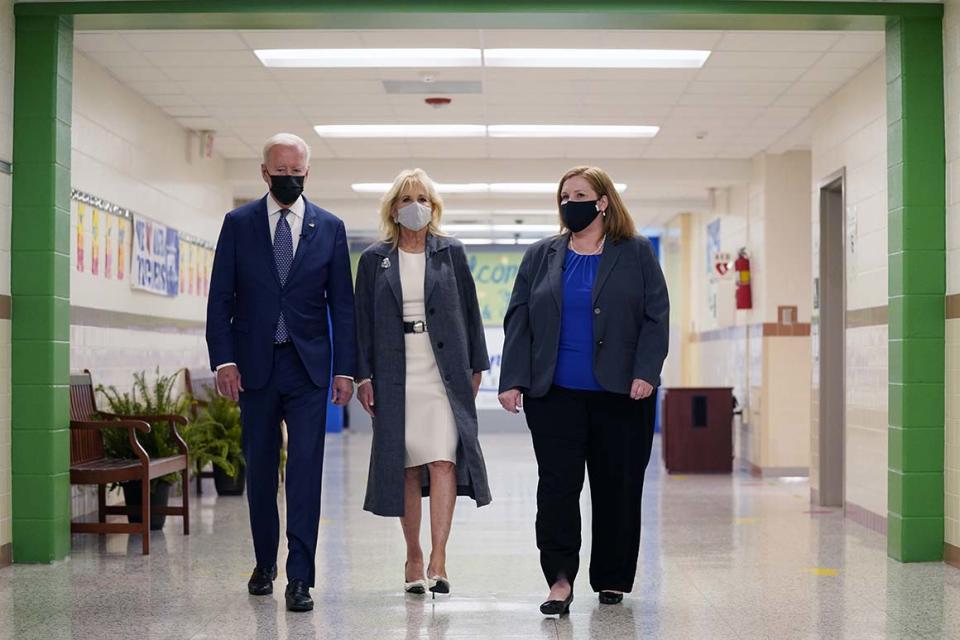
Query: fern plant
(216, 436)
(145, 398)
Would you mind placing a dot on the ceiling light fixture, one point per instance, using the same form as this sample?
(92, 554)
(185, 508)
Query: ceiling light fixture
(480, 130)
(475, 187)
(357, 58)
(596, 58)
(401, 130)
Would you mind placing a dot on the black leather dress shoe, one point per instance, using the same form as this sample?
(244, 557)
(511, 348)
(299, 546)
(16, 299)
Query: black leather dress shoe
(556, 607)
(610, 597)
(261, 582)
(298, 596)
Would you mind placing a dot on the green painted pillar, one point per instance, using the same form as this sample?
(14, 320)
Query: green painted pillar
(40, 286)
(916, 187)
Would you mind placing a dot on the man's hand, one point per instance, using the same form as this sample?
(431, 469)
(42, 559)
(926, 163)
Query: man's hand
(228, 382)
(342, 391)
(511, 400)
(640, 389)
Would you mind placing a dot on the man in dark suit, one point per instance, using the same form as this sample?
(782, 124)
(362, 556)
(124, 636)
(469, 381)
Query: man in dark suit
(281, 278)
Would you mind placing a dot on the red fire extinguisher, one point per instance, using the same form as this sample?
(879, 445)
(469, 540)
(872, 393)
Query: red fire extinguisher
(744, 293)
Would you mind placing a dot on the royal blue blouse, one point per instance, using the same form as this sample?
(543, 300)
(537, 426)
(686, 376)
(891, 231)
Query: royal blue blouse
(575, 358)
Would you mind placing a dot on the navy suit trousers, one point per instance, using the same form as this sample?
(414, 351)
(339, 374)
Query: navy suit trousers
(288, 395)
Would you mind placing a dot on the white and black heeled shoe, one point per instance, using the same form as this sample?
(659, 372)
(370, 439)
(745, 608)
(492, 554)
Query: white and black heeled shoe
(438, 584)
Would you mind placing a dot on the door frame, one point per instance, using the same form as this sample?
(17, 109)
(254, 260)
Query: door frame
(40, 267)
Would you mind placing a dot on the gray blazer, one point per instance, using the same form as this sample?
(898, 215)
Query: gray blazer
(630, 322)
(456, 333)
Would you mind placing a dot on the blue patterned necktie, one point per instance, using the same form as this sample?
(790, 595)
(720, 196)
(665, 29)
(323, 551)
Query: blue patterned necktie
(283, 256)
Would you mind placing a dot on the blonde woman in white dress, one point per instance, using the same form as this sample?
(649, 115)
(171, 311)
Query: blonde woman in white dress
(421, 353)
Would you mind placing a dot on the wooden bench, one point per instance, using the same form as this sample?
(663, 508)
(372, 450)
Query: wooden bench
(199, 384)
(90, 465)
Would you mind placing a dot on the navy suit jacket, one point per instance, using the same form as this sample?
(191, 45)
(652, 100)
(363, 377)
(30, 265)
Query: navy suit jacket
(246, 296)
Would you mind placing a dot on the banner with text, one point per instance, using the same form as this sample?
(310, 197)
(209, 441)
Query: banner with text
(156, 258)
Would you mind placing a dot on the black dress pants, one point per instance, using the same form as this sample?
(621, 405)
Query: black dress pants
(612, 435)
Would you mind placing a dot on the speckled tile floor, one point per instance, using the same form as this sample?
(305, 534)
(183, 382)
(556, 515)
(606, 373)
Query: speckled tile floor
(721, 558)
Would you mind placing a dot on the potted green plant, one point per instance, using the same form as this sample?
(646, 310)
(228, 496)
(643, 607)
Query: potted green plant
(216, 437)
(145, 399)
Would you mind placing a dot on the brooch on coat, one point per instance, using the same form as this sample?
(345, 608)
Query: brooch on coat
(385, 264)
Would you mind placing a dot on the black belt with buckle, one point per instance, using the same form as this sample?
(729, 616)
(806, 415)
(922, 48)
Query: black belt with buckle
(417, 326)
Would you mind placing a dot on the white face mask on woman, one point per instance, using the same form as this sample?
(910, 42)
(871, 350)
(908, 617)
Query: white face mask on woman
(415, 216)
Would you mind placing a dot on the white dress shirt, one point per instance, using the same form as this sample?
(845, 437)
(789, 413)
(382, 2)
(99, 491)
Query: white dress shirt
(295, 220)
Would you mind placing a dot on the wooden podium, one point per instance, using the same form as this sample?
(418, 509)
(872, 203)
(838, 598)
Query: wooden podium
(697, 426)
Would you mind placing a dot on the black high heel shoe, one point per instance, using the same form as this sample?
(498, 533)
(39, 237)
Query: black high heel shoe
(557, 607)
(610, 597)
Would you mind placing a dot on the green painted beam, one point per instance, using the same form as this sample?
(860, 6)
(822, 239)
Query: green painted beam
(40, 287)
(741, 7)
(916, 188)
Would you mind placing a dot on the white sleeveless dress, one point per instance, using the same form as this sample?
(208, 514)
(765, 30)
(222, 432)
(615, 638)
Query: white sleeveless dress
(430, 428)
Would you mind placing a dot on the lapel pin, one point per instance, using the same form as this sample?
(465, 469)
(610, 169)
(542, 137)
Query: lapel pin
(385, 264)
(311, 225)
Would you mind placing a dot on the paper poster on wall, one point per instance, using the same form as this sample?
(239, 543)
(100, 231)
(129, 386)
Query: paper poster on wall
(108, 248)
(81, 218)
(123, 238)
(95, 242)
(156, 258)
(184, 252)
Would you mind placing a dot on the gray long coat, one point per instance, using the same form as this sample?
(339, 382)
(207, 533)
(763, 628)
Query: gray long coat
(456, 334)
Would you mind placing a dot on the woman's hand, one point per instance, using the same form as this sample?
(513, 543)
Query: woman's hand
(476, 384)
(365, 396)
(640, 389)
(511, 400)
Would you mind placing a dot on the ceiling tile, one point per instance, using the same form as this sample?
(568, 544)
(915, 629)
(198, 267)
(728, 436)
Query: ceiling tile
(828, 74)
(139, 74)
(116, 59)
(738, 88)
(302, 39)
(187, 111)
(778, 41)
(753, 74)
(185, 40)
(775, 59)
(104, 41)
(427, 38)
(201, 58)
(847, 60)
(871, 42)
(724, 100)
(198, 124)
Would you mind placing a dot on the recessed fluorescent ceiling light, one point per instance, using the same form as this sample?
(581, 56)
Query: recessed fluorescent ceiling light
(571, 131)
(476, 187)
(480, 130)
(401, 130)
(500, 212)
(534, 187)
(597, 58)
(483, 241)
(500, 228)
(351, 58)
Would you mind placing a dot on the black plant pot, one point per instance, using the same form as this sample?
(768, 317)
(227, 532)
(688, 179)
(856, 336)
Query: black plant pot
(227, 486)
(159, 497)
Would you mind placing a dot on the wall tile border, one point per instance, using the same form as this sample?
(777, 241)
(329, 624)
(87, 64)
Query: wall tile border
(869, 317)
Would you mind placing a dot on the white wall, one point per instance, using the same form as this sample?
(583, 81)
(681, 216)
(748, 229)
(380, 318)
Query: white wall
(850, 133)
(132, 154)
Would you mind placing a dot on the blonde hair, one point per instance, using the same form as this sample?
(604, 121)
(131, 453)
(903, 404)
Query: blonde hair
(617, 224)
(409, 178)
(286, 140)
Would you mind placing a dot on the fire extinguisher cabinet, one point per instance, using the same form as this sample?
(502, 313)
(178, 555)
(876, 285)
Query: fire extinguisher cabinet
(697, 427)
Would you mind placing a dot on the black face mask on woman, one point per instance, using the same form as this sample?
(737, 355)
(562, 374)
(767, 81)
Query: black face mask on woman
(286, 189)
(577, 215)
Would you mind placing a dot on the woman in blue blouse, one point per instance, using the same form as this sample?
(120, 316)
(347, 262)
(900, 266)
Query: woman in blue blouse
(585, 340)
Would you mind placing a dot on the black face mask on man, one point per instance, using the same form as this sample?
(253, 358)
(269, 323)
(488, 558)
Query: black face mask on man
(577, 215)
(286, 189)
